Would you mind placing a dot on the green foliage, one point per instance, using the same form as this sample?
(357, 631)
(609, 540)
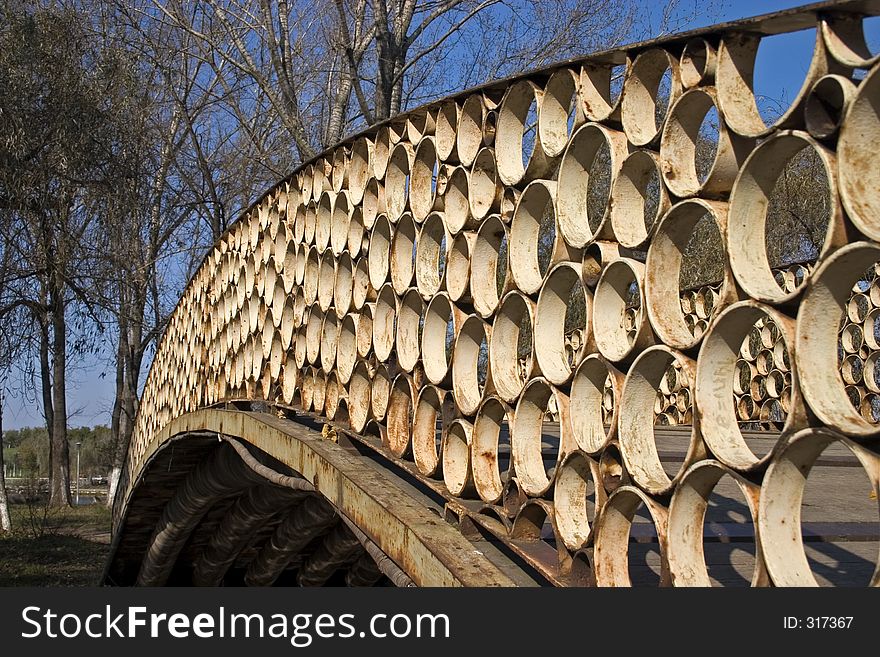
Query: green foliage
(65, 131)
(16, 437)
(28, 450)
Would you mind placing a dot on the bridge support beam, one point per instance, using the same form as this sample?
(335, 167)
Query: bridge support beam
(222, 475)
(306, 522)
(339, 548)
(247, 515)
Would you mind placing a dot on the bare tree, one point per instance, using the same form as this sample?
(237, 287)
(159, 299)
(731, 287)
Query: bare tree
(156, 123)
(57, 164)
(166, 187)
(5, 520)
(7, 353)
(324, 68)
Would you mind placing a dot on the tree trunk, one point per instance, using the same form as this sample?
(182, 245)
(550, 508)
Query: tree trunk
(128, 411)
(339, 109)
(130, 356)
(5, 521)
(59, 494)
(46, 384)
(389, 82)
(119, 448)
(120, 451)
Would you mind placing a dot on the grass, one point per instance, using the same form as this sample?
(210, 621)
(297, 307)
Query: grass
(67, 548)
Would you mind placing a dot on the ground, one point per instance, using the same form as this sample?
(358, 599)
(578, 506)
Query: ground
(67, 547)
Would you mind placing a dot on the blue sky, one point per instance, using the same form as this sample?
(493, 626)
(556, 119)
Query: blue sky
(90, 392)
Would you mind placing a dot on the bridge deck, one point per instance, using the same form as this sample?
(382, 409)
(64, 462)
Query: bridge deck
(842, 553)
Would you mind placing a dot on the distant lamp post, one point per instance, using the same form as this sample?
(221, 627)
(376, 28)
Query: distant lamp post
(78, 446)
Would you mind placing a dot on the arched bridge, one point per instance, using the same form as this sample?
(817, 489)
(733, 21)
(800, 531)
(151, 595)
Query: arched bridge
(552, 330)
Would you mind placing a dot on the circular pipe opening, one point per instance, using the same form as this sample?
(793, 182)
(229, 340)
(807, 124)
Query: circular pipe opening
(385, 322)
(458, 267)
(340, 223)
(410, 312)
(423, 180)
(534, 243)
(533, 462)
(658, 369)
(469, 136)
(698, 154)
(816, 351)
(362, 290)
(754, 198)
(826, 105)
(380, 391)
(324, 220)
(782, 495)
(359, 169)
(734, 80)
(403, 254)
(485, 191)
(442, 325)
(613, 544)
(427, 436)
(359, 388)
(562, 323)
(577, 499)
(638, 199)
(600, 87)
(374, 202)
(516, 143)
(710, 493)
(445, 131)
(652, 85)
(343, 286)
(560, 111)
(397, 180)
(470, 363)
(313, 333)
(399, 420)
(595, 391)
(329, 341)
(326, 280)
(456, 204)
(490, 258)
(619, 320)
(432, 252)
(587, 173)
(858, 175)
(670, 250)
(490, 441)
(379, 256)
(697, 62)
(511, 346)
(457, 473)
(346, 347)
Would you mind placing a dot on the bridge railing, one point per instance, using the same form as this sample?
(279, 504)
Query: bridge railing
(462, 275)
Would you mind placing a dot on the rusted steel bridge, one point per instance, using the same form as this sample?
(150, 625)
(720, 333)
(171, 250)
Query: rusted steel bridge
(455, 349)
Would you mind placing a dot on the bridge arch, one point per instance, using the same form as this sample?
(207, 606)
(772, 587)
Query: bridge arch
(532, 287)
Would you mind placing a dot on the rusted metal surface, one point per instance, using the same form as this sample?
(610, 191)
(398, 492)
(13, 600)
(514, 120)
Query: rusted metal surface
(502, 317)
(429, 551)
(211, 481)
